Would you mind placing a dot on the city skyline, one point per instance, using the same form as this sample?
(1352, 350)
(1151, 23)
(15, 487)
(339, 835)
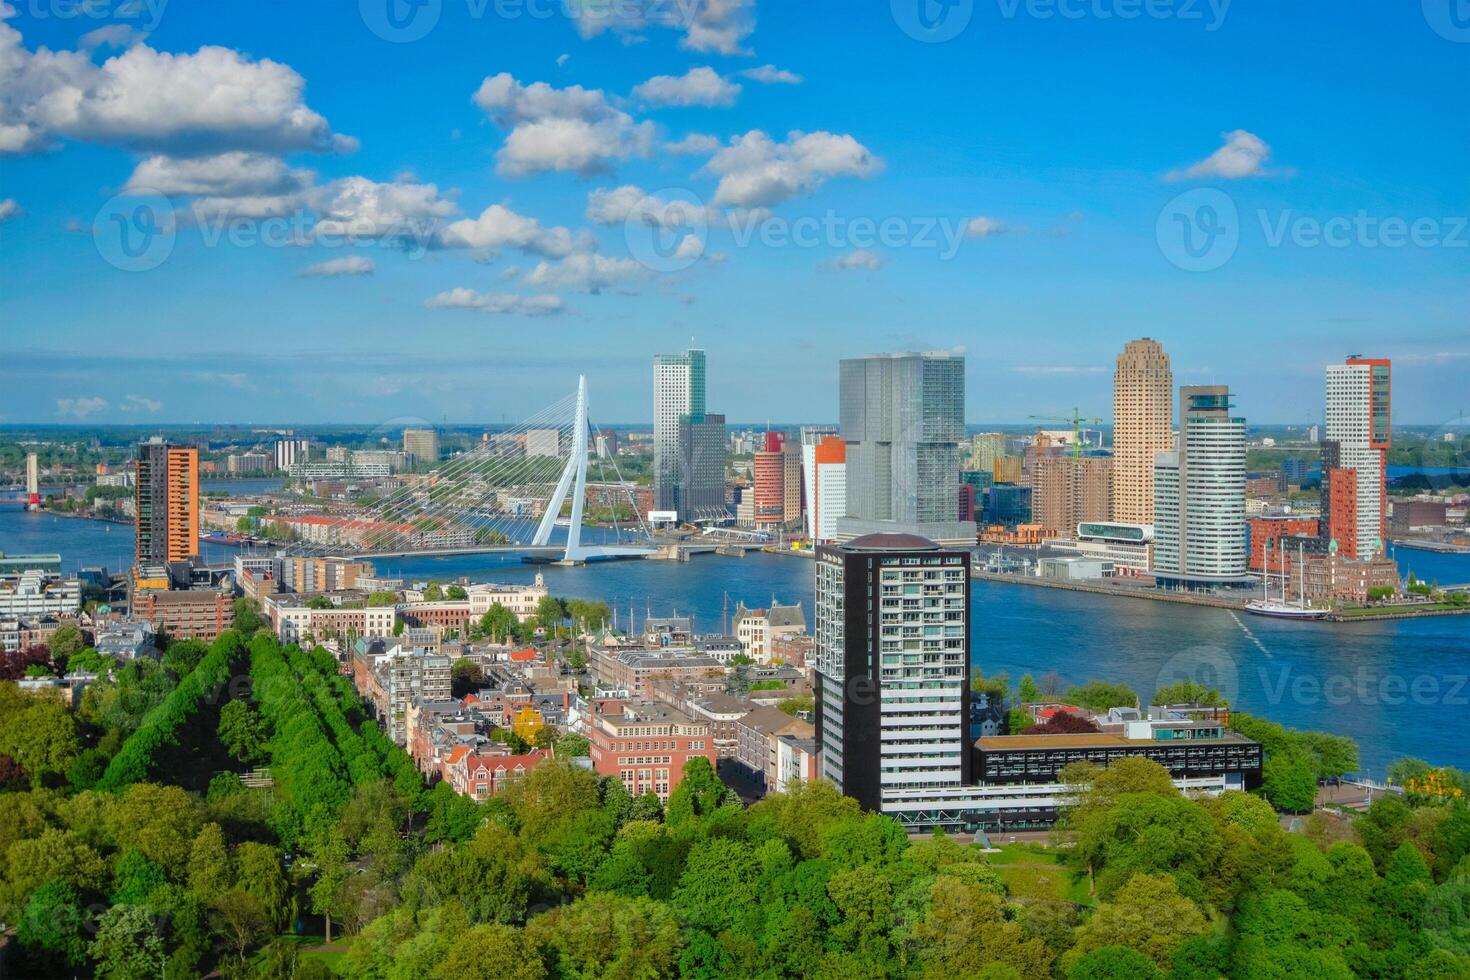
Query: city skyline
(526, 270)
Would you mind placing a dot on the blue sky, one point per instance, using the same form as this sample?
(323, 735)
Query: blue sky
(453, 226)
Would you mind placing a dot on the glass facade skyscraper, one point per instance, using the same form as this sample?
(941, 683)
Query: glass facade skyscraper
(688, 465)
(903, 419)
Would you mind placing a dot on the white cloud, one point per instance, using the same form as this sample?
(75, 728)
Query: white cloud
(588, 273)
(213, 100)
(756, 171)
(1243, 155)
(698, 86)
(500, 227)
(137, 403)
(691, 247)
(572, 129)
(349, 265)
(562, 59)
(358, 208)
(771, 75)
(232, 174)
(708, 25)
(467, 299)
(9, 209)
(983, 227)
(858, 259)
(112, 36)
(695, 144)
(617, 206)
(79, 408)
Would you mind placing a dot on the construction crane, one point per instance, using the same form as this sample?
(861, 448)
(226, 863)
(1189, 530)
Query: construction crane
(1075, 421)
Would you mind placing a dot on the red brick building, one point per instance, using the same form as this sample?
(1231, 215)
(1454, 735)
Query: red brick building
(483, 776)
(1266, 532)
(186, 615)
(1342, 518)
(646, 745)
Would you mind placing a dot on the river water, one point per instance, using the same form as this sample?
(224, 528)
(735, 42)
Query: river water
(1399, 688)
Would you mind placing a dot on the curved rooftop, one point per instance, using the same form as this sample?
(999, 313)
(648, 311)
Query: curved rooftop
(891, 541)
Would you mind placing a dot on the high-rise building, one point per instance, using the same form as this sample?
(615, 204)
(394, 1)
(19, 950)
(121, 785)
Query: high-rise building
(1070, 490)
(166, 499)
(892, 671)
(1355, 446)
(1199, 493)
(422, 445)
(903, 419)
(984, 448)
(824, 475)
(678, 396)
(289, 452)
(545, 442)
(701, 469)
(606, 444)
(1143, 427)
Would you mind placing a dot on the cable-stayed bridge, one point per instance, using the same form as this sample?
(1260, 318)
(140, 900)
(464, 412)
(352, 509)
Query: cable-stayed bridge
(515, 491)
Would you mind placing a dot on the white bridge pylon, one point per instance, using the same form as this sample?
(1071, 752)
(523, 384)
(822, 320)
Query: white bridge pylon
(574, 480)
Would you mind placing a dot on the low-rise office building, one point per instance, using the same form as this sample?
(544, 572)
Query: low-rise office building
(186, 614)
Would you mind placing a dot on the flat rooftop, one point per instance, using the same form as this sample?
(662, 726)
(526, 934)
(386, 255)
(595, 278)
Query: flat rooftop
(1099, 740)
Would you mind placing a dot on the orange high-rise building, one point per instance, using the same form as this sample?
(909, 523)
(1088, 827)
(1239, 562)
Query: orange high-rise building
(166, 526)
(1143, 427)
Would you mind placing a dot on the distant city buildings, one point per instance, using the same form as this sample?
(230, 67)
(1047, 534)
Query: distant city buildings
(1354, 455)
(903, 419)
(1199, 494)
(688, 460)
(289, 452)
(1069, 490)
(824, 479)
(1143, 427)
(422, 445)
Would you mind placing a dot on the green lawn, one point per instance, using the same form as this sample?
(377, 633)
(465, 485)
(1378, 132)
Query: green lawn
(1037, 874)
(1415, 607)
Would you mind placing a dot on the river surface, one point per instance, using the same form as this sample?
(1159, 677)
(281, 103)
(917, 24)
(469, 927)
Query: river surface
(1399, 688)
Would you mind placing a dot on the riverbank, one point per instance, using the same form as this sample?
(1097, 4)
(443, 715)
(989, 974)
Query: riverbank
(1127, 592)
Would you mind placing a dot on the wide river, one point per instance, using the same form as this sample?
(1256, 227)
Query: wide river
(1400, 688)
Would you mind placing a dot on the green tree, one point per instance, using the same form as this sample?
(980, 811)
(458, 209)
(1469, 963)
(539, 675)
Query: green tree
(66, 641)
(378, 599)
(210, 870)
(1114, 963)
(247, 616)
(1188, 692)
(500, 624)
(550, 613)
(242, 732)
(127, 947)
(1101, 695)
(1289, 782)
(1148, 915)
(456, 593)
(241, 918)
(1028, 691)
(41, 737)
(434, 593)
(53, 928)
